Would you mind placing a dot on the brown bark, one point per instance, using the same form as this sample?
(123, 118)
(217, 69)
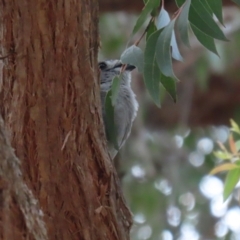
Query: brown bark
(49, 93)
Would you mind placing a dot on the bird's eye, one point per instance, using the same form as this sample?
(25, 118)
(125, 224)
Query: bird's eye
(102, 65)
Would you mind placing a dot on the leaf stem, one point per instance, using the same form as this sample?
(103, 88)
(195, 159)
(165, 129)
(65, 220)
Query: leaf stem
(145, 31)
(177, 13)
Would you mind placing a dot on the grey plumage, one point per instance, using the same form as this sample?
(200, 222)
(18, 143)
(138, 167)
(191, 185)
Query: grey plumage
(126, 105)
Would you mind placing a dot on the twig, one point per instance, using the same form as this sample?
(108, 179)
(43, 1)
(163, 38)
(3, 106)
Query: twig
(145, 31)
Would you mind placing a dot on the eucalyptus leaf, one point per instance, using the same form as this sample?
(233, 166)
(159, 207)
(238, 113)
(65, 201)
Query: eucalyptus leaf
(151, 29)
(163, 53)
(224, 167)
(205, 3)
(231, 181)
(134, 56)
(149, 7)
(115, 87)
(238, 145)
(223, 155)
(175, 50)
(205, 40)
(151, 70)
(216, 7)
(162, 21)
(111, 128)
(234, 126)
(170, 85)
(200, 18)
(182, 23)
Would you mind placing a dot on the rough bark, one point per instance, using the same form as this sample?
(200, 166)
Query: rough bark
(49, 94)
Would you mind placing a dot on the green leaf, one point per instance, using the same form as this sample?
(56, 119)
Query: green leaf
(115, 87)
(151, 29)
(111, 129)
(224, 167)
(182, 23)
(149, 7)
(237, 143)
(223, 155)
(201, 18)
(236, 1)
(234, 126)
(216, 7)
(151, 70)
(164, 59)
(134, 56)
(170, 85)
(175, 51)
(206, 5)
(162, 21)
(231, 181)
(205, 40)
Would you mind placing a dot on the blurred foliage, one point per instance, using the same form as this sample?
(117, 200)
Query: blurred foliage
(232, 156)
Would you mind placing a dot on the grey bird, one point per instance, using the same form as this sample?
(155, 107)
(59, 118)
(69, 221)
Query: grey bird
(126, 105)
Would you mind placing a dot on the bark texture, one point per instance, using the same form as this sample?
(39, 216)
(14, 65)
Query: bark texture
(49, 94)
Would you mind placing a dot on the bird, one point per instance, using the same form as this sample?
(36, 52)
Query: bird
(126, 105)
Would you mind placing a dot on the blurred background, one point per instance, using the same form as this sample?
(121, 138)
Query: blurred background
(165, 163)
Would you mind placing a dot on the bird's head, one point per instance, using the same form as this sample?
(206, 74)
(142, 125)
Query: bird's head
(111, 68)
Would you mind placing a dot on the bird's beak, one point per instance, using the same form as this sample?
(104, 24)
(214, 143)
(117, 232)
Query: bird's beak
(129, 67)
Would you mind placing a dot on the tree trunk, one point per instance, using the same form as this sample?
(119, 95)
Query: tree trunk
(50, 102)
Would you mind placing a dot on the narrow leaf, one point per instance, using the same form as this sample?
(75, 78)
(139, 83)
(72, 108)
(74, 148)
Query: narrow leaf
(150, 5)
(222, 155)
(134, 56)
(216, 7)
(237, 143)
(151, 70)
(206, 5)
(224, 167)
(170, 85)
(231, 181)
(151, 29)
(232, 144)
(175, 51)
(182, 23)
(200, 18)
(163, 56)
(234, 126)
(114, 89)
(162, 21)
(111, 129)
(205, 40)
